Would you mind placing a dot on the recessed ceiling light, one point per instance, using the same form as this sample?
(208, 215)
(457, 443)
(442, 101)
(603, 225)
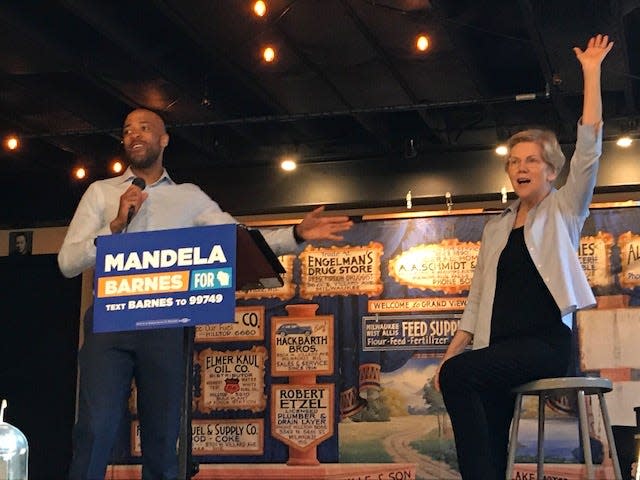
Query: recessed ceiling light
(624, 142)
(288, 165)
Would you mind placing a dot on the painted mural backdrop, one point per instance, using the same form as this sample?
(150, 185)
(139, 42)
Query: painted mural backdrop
(395, 290)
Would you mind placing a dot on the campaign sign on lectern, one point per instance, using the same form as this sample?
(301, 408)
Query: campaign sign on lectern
(166, 278)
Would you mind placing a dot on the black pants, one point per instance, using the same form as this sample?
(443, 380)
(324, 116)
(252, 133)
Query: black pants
(108, 362)
(476, 389)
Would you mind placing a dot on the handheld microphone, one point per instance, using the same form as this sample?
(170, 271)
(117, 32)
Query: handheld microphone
(141, 184)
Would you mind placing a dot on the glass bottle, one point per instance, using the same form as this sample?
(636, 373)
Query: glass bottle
(14, 450)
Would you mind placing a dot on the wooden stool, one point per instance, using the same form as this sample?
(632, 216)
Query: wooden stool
(544, 388)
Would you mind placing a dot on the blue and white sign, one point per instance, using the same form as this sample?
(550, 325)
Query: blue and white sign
(166, 278)
(431, 332)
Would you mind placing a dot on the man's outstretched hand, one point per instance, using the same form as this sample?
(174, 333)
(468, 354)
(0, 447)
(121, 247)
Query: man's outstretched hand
(316, 226)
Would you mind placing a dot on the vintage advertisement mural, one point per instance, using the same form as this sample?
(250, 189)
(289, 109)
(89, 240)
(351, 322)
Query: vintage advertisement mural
(389, 300)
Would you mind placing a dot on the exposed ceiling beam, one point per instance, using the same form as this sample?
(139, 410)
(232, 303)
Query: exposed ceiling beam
(375, 129)
(103, 20)
(469, 61)
(619, 11)
(564, 113)
(219, 56)
(460, 44)
(51, 48)
(385, 58)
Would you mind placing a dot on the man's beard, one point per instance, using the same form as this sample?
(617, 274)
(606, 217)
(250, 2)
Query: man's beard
(143, 162)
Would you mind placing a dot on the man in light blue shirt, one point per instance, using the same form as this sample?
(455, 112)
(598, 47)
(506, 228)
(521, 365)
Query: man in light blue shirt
(108, 361)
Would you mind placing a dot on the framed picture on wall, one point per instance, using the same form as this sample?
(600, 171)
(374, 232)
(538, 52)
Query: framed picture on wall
(20, 242)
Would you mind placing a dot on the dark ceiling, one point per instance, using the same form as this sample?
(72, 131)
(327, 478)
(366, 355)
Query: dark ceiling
(347, 81)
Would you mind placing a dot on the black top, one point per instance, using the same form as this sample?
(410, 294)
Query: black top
(523, 305)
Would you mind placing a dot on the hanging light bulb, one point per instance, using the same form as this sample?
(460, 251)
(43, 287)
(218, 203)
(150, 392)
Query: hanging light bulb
(269, 54)
(12, 142)
(116, 167)
(422, 43)
(80, 173)
(260, 8)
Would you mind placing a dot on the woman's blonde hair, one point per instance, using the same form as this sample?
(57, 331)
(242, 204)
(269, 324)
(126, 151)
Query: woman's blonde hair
(551, 151)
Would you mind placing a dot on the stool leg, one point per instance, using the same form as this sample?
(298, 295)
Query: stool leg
(610, 439)
(513, 438)
(584, 432)
(542, 399)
